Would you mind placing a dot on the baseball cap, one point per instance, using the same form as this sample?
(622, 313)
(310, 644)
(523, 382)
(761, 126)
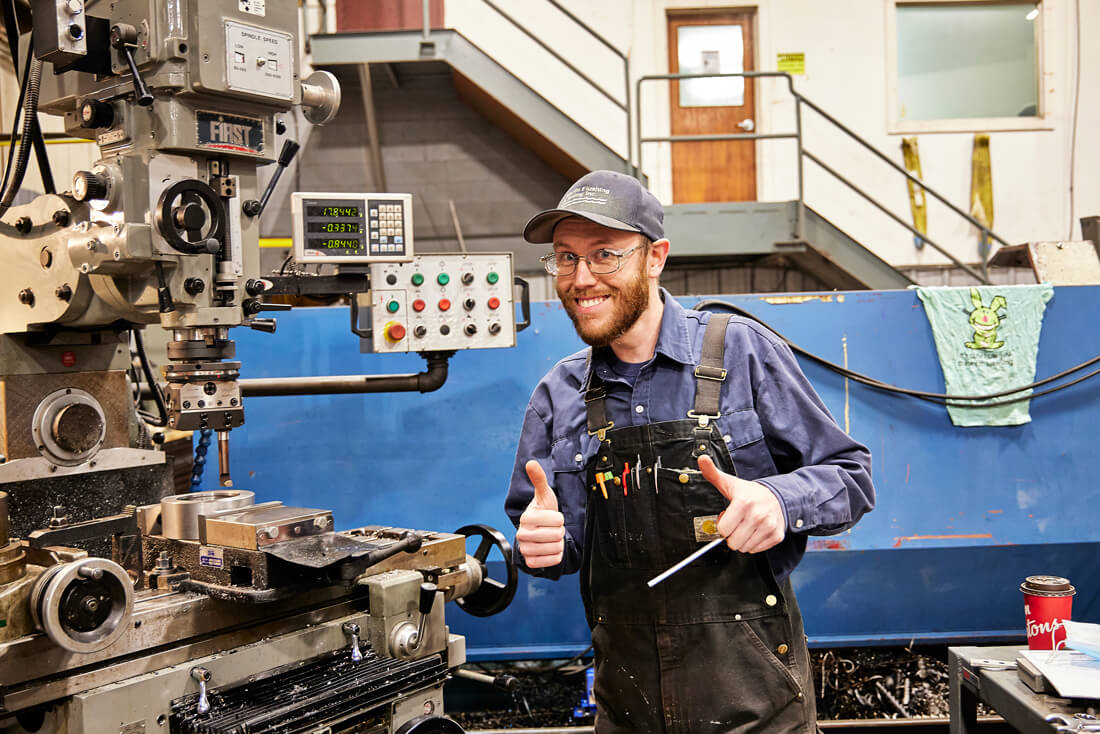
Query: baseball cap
(613, 200)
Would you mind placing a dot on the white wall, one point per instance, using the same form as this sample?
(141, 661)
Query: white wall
(847, 52)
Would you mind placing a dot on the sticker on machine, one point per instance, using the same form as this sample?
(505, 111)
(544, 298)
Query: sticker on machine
(706, 528)
(229, 132)
(211, 557)
(256, 7)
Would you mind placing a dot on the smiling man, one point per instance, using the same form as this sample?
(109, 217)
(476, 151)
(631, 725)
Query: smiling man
(674, 428)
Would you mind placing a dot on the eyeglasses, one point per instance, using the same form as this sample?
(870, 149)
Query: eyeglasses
(600, 262)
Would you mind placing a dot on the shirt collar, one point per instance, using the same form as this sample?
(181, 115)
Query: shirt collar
(672, 341)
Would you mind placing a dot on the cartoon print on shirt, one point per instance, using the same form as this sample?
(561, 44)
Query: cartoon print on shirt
(984, 321)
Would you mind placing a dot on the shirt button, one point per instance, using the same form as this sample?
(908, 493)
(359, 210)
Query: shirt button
(737, 617)
(639, 409)
(770, 600)
(579, 458)
(727, 438)
(782, 649)
(798, 523)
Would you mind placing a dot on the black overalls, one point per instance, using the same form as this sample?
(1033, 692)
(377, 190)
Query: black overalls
(717, 647)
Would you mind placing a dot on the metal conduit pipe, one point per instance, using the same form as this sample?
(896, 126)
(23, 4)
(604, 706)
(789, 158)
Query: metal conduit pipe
(427, 381)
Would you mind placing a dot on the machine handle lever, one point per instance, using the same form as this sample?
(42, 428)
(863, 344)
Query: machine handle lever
(351, 630)
(124, 38)
(253, 208)
(254, 306)
(202, 675)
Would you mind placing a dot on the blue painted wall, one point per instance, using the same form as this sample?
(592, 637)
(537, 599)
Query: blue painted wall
(963, 515)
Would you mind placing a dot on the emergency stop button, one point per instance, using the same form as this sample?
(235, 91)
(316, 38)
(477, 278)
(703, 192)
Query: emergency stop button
(395, 332)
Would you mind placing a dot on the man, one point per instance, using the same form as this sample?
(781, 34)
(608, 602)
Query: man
(676, 428)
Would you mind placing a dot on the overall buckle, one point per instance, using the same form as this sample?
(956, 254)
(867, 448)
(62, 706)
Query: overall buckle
(703, 418)
(601, 433)
(705, 372)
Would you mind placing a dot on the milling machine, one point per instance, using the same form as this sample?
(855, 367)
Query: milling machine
(125, 607)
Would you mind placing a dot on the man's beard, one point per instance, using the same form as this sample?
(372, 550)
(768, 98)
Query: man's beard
(628, 304)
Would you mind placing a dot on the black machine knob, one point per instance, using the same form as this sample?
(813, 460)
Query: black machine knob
(194, 286)
(95, 114)
(190, 216)
(467, 278)
(254, 287)
(469, 304)
(494, 328)
(265, 325)
(427, 597)
(470, 329)
(88, 186)
(420, 331)
(391, 279)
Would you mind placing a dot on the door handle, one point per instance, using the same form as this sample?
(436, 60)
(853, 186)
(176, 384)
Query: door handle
(747, 125)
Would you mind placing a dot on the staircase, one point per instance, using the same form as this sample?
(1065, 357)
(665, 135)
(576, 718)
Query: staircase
(789, 232)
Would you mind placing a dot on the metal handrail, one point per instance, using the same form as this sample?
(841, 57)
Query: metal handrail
(623, 105)
(803, 154)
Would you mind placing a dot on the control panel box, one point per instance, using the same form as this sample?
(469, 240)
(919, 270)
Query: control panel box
(443, 302)
(351, 228)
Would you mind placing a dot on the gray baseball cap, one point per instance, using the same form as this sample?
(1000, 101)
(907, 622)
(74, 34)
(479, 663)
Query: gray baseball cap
(613, 200)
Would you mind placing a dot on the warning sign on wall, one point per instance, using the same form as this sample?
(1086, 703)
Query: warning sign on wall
(791, 63)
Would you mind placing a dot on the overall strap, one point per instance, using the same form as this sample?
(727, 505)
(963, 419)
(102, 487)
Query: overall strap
(709, 376)
(595, 406)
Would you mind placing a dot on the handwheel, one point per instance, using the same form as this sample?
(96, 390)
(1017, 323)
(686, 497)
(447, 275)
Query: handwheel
(491, 596)
(85, 605)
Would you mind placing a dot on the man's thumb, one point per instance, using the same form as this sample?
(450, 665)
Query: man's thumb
(544, 496)
(715, 476)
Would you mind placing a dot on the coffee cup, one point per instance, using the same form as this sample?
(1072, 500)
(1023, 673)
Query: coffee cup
(1048, 601)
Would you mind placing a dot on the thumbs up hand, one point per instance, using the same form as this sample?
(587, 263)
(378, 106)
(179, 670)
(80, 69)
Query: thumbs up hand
(541, 533)
(754, 521)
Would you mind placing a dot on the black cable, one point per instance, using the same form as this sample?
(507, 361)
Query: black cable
(11, 26)
(32, 81)
(13, 140)
(154, 386)
(939, 398)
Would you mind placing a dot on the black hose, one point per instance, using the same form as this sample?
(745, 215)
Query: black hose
(939, 398)
(154, 386)
(12, 141)
(30, 115)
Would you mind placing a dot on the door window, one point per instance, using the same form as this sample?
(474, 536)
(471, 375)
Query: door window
(711, 49)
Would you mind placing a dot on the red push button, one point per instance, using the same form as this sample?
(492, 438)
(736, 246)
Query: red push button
(494, 303)
(444, 304)
(418, 304)
(395, 332)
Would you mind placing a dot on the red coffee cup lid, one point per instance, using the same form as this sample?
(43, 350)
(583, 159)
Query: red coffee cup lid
(1047, 586)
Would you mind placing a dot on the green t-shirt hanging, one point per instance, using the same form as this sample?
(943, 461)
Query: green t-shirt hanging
(987, 338)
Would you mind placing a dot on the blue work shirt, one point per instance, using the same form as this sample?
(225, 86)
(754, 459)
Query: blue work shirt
(778, 431)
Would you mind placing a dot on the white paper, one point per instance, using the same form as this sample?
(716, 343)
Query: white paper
(1073, 674)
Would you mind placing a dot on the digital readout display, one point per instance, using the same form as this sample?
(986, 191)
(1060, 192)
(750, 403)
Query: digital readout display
(335, 227)
(329, 210)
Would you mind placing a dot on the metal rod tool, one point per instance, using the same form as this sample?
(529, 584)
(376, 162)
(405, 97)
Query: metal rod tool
(665, 574)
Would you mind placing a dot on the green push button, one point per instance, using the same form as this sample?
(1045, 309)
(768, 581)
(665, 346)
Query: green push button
(443, 279)
(492, 278)
(393, 306)
(418, 279)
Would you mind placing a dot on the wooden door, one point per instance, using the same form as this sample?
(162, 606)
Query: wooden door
(701, 41)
